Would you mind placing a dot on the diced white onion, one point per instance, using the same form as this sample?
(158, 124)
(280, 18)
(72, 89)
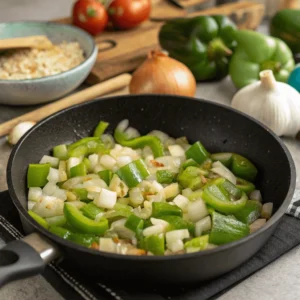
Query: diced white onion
(72, 162)
(123, 161)
(77, 204)
(159, 197)
(60, 194)
(171, 190)
(202, 226)
(176, 246)
(122, 231)
(92, 195)
(50, 188)
(143, 213)
(49, 206)
(123, 201)
(71, 183)
(266, 211)
(174, 235)
(98, 168)
(62, 170)
(181, 202)
(30, 205)
(108, 140)
(197, 210)
(257, 224)
(156, 187)
(118, 186)
(147, 153)
(107, 245)
(136, 197)
(71, 196)
(255, 195)
(155, 229)
(161, 135)
(53, 161)
(95, 182)
(147, 204)
(34, 193)
(53, 175)
(93, 158)
(99, 216)
(132, 133)
(122, 126)
(107, 161)
(220, 169)
(187, 192)
(93, 189)
(155, 221)
(106, 199)
(176, 150)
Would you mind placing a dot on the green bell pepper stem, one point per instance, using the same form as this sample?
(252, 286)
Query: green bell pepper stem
(60, 151)
(224, 157)
(82, 223)
(198, 153)
(165, 176)
(86, 146)
(198, 243)
(56, 221)
(250, 212)
(100, 129)
(191, 177)
(221, 202)
(155, 244)
(134, 223)
(78, 170)
(189, 163)
(38, 219)
(90, 210)
(106, 175)
(163, 209)
(226, 229)
(81, 193)
(133, 173)
(140, 142)
(37, 175)
(217, 49)
(176, 222)
(78, 238)
(244, 185)
(242, 167)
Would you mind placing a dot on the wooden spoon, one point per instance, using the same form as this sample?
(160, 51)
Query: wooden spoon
(87, 94)
(37, 41)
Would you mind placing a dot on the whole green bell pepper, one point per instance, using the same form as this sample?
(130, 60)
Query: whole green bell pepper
(285, 25)
(257, 52)
(202, 43)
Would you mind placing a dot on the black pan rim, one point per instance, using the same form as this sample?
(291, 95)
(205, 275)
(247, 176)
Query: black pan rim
(272, 221)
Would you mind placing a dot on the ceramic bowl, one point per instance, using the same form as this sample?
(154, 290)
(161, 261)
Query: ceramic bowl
(49, 88)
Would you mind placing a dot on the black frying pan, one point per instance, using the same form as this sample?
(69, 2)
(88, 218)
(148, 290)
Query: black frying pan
(219, 128)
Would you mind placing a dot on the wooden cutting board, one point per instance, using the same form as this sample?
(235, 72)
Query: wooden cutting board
(124, 51)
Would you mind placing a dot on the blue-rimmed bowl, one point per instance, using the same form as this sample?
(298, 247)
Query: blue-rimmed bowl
(49, 88)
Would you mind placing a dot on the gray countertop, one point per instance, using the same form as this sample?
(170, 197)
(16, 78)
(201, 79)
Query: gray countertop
(279, 280)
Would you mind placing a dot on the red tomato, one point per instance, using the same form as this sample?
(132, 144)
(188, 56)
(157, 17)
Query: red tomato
(90, 15)
(125, 14)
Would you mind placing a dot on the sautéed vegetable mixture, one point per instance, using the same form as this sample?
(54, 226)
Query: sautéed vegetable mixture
(145, 195)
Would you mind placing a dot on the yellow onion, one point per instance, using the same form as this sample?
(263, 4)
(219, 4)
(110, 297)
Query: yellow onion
(161, 74)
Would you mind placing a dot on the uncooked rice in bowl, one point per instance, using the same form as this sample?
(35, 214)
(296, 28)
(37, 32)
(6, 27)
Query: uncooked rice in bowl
(36, 63)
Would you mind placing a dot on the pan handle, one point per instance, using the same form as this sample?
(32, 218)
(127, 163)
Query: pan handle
(24, 258)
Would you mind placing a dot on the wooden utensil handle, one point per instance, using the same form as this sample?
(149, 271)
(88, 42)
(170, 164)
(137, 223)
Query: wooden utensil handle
(37, 41)
(87, 94)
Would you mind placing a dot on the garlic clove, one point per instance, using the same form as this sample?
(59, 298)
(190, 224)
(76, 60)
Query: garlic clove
(18, 131)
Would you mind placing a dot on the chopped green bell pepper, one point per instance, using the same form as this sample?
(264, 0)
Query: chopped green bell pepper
(56, 221)
(38, 219)
(61, 152)
(165, 209)
(87, 164)
(82, 223)
(243, 167)
(60, 231)
(37, 175)
(155, 244)
(197, 244)
(81, 193)
(134, 223)
(244, 185)
(217, 198)
(165, 176)
(119, 211)
(198, 153)
(106, 175)
(224, 157)
(190, 178)
(91, 210)
(202, 43)
(250, 212)
(233, 192)
(140, 142)
(100, 129)
(86, 146)
(176, 222)
(133, 173)
(226, 229)
(78, 170)
(257, 52)
(195, 195)
(189, 163)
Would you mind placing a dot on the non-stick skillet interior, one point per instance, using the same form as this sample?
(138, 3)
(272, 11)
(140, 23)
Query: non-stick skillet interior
(218, 128)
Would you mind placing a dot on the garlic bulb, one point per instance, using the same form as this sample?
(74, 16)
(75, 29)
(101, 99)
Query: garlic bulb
(275, 104)
(18, 131)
